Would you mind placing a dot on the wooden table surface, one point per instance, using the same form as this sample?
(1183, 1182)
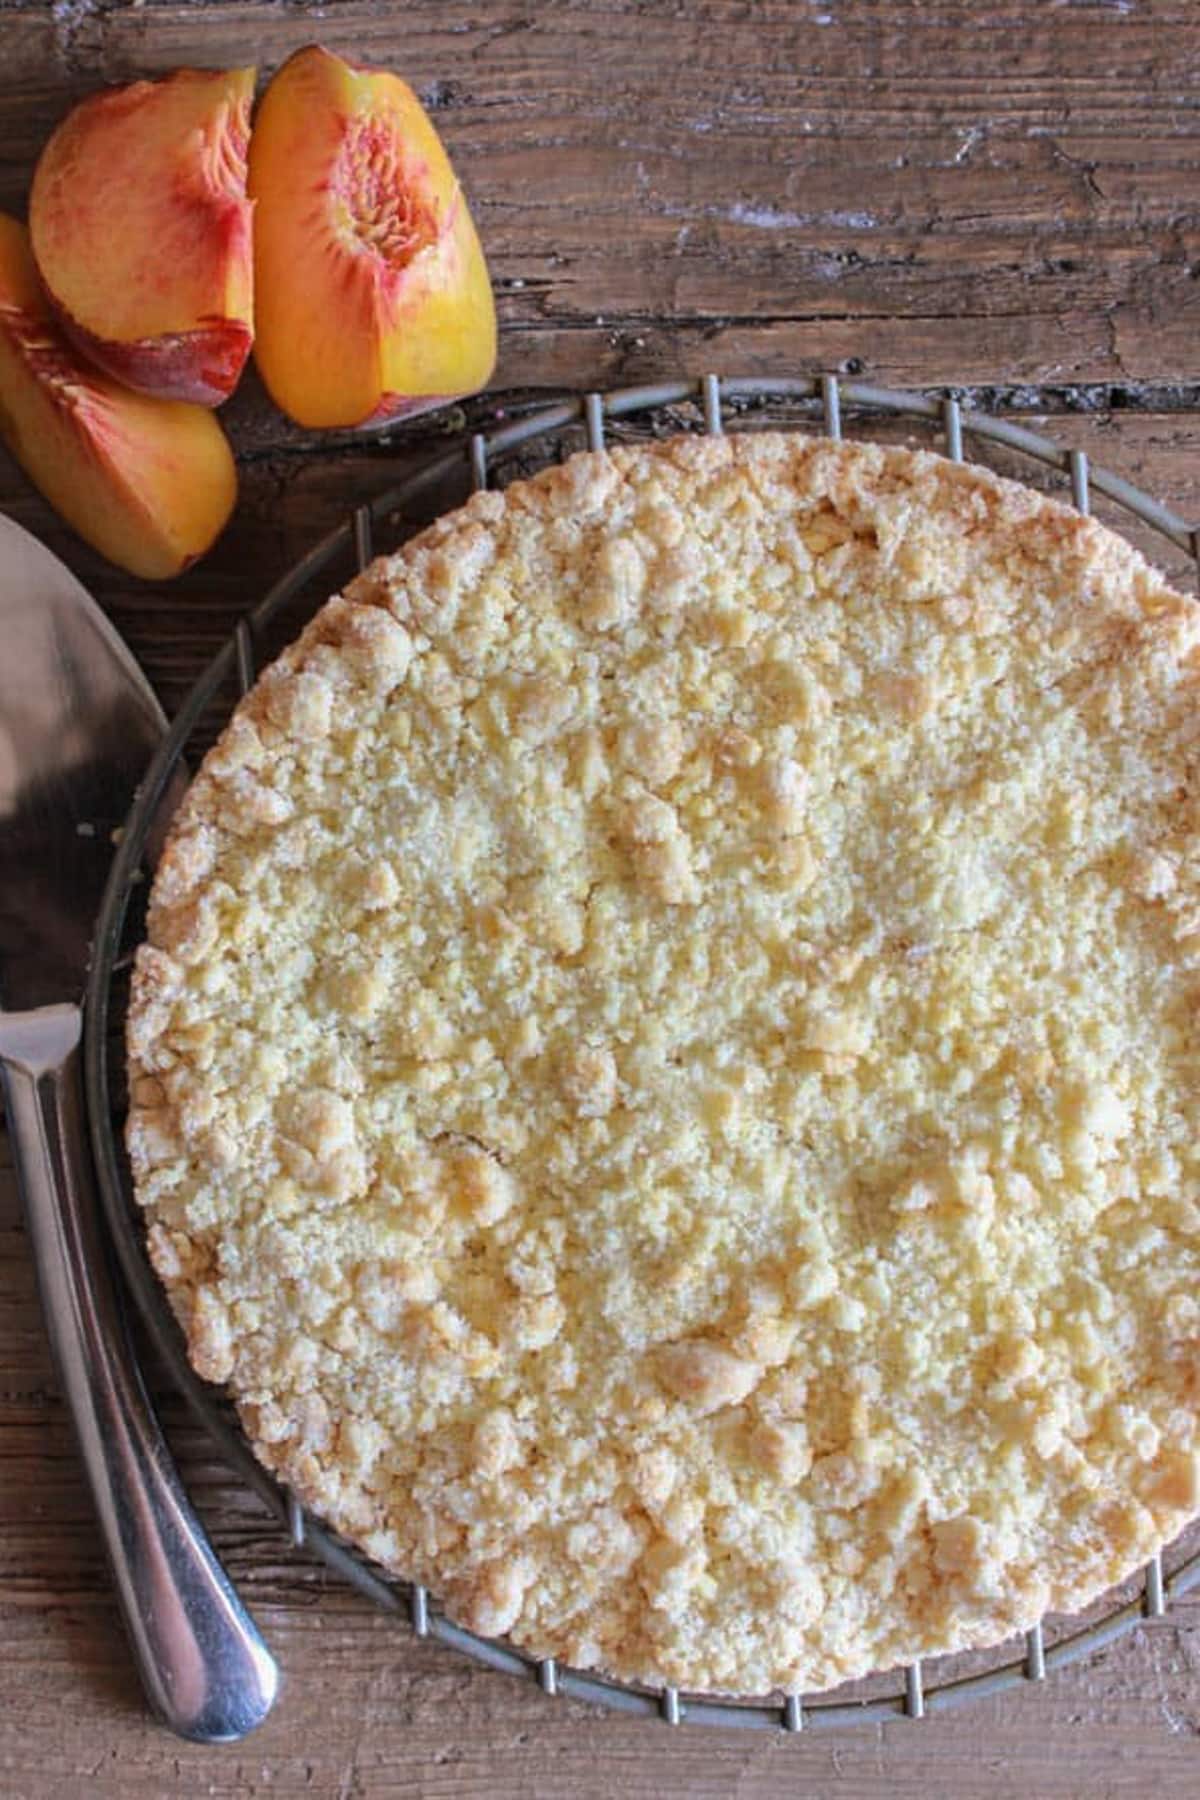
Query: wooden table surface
(1003, 197)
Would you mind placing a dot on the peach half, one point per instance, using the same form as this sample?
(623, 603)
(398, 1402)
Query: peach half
(372, 296)
(141, 232)
(148, 483)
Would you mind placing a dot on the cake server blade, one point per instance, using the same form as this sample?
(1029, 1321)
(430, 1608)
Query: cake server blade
(78, 724)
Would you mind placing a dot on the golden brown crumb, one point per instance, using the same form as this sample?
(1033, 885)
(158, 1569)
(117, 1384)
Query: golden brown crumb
(664, 1068)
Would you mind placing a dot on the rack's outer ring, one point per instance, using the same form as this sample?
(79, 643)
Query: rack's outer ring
(920, 1695)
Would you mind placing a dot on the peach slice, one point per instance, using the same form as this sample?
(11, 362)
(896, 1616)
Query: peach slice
(372, 295)
(148, 483)
(141, 231)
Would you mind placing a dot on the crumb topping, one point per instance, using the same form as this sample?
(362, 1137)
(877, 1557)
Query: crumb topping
(664, 1067)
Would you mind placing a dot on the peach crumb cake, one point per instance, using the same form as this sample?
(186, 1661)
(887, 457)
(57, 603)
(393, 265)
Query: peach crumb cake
(664, 1070)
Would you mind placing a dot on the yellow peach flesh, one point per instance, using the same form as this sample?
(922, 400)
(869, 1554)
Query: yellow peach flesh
(373, 296)
(148, 483)
(141, 231)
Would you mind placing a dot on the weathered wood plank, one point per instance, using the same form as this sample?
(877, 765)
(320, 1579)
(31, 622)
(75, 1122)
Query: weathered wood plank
(943, 193)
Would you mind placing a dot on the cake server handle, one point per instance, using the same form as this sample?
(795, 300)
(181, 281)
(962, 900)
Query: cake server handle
(205, 1668)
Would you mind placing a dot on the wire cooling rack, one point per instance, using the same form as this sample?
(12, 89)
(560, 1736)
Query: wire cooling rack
(710, 404)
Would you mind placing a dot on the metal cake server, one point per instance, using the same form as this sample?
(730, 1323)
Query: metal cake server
(78, 725)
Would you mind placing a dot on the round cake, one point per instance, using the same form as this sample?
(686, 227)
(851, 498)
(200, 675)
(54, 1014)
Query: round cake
(664, 1069)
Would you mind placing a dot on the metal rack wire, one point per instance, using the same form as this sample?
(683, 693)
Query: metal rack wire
(923, 1689)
